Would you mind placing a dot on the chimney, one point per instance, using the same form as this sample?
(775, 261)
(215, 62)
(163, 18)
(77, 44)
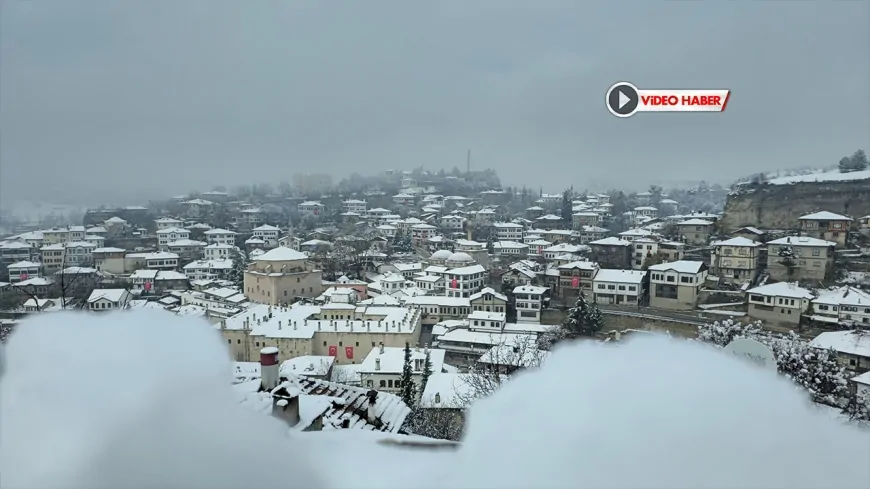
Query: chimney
(382, 348)
(287, 410)
(279, 325)
(294, 324)
(269, 368)
(377, 363)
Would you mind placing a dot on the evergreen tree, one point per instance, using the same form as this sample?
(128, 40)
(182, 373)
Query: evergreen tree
(787, 259)
(845, 165)
(859, 160)
(240, 264)
(584, 319)
(402, 242)
(406, 384)
(490, 245)
(427, 372)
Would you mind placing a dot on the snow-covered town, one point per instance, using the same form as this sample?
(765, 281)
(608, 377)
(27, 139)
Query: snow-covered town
(393, 245)
(428, 290)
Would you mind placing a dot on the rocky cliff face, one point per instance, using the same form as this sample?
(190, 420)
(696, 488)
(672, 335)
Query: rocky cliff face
(780, 206)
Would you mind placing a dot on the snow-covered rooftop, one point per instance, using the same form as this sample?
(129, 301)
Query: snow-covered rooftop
(824, 216)
(737, 241)
(849, 342)
(801, 241)
(620, 276)
(782, 289)
(679, 266)
(282, 253)
(303, 321)
(392, 360)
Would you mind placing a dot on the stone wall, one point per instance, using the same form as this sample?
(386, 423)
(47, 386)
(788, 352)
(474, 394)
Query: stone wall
(780, 206)
(614, 322)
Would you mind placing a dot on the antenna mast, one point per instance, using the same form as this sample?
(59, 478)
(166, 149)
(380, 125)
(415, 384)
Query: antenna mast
(468, 163)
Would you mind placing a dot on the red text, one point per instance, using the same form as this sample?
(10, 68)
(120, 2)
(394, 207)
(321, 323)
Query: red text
(701, 100)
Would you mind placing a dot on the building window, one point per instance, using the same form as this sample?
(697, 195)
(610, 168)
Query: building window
(383, 383)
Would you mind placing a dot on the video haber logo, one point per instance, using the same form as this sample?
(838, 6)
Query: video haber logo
(624, 99)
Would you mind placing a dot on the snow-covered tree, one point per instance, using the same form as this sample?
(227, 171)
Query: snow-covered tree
(241, 260)
(724, 332)
(584, 319)
(788, 260)
(427, 372)
(857, 408)
(816, 370)
(490, 244)
(408, 387)
(402, 242)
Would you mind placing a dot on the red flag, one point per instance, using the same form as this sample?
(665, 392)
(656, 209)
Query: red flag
(333, 350)
(23, 276)
(348, 350)
(575, 282)
(454, 284)
(147, 286)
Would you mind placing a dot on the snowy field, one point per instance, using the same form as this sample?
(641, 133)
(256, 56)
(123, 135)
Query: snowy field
(143, 399)
(828, 176)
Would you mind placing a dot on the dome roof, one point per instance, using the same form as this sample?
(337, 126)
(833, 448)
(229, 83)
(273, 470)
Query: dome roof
(441, 255)
(460, 257)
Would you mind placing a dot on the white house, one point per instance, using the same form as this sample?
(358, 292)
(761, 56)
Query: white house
(79, 253)
(220, 236)
(108, 299)
(353, 205)
(382, 368)
(269, 234)
(508, 231)
(420, 233)
(852, 347)
(676, 285)
(23, 270)
(311, 208)
(844, 305)
(530, 301)
(218, 251)
(780, 302)
(464, 281)
(618, 286)
(563, 248)
(170, 234)
(510, 248)
(208, 269)
(166, 223)
(452, 222)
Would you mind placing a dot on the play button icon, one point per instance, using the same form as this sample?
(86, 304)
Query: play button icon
(622, 99)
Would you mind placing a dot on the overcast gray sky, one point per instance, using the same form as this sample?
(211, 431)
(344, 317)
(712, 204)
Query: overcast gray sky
(151, 98)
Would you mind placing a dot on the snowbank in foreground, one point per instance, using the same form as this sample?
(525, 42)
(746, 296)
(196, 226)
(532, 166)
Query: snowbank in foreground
(144, 400)
(131, 400)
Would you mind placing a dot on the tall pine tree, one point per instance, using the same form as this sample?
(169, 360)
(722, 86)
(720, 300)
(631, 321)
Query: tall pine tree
(408, 387)
(427, 372)
(584, 319)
